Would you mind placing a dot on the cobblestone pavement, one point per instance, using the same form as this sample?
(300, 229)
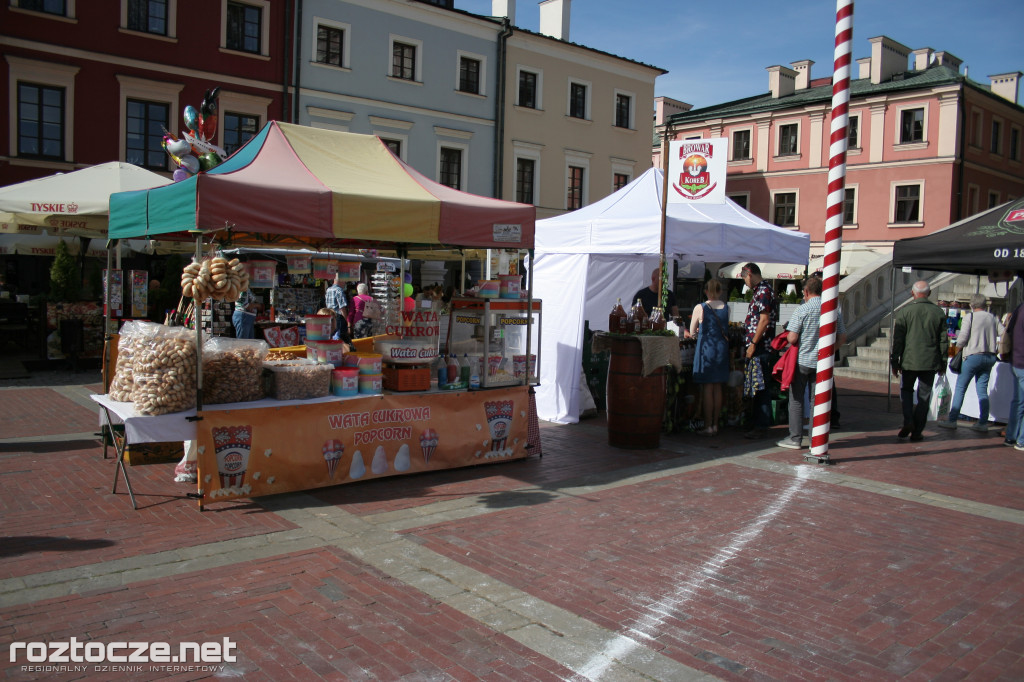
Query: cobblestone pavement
(715, 558)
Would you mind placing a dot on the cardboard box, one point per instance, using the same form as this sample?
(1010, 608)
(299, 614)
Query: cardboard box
(153, 453)
(406, 378)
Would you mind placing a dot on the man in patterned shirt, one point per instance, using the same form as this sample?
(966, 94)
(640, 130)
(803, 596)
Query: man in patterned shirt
(762, 315)
(803, 328)
(335, 300)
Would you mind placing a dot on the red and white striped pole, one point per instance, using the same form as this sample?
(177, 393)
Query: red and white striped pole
(822, 410)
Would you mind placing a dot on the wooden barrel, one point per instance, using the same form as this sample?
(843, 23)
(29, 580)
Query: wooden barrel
(635, 403)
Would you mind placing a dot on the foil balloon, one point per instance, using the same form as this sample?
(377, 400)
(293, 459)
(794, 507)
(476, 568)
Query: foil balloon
(208, 111)
(179, 174)
(177, 148)
(209, 160)
(190, 163)
(192, 119)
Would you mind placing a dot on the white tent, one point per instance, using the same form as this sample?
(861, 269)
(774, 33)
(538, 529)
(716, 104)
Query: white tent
(586, 259)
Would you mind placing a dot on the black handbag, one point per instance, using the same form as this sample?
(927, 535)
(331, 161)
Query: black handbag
(957, 362)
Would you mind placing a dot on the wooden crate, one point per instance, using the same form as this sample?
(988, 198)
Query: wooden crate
(406, 378)
(153, 453)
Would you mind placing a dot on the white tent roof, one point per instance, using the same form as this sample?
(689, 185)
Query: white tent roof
(75, 203)
(629, 221)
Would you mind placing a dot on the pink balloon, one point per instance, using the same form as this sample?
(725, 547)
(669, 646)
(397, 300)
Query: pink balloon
(179, 174)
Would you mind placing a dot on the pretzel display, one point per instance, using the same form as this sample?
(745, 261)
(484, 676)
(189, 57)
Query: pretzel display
(216, 277)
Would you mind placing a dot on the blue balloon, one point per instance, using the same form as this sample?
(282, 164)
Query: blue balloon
(408, 277)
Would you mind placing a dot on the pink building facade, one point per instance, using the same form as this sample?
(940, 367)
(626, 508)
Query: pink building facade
(927, 145)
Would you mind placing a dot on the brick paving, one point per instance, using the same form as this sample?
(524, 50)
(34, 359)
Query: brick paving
(704, 559)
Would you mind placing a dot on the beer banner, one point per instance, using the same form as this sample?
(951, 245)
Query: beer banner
(271, 450)
(696, 170)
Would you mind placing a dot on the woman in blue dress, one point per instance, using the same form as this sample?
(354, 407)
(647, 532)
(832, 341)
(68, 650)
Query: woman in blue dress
(710, 324)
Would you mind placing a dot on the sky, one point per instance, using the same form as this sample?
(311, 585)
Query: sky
(716, 52)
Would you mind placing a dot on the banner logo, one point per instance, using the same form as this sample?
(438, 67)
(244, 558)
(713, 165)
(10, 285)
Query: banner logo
(697, 170)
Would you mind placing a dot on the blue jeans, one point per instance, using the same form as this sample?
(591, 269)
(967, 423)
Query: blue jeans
(244, 324)
(978, 367)
(916, 416)
(1014, 432)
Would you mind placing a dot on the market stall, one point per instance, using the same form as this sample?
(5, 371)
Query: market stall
(351, 192)
(988, 243)
(587, 259)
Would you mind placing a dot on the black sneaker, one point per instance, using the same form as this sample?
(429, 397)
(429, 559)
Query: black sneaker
(904, 432)
(916, 437)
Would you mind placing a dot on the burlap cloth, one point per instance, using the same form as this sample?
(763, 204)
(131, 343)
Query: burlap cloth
(656, 351)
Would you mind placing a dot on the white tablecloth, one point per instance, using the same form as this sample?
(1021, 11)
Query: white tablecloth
(1000, 393)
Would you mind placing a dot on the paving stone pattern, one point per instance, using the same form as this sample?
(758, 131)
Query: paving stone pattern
(703, 559)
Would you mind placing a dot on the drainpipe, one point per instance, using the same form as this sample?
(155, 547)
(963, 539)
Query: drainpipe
(962, 103)
(286, 51)
(499, 108)
(297, 63)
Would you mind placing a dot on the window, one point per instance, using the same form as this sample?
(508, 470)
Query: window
(525, 171)
(789, 138)
(469, 75)
(976, 128)
(577, 100)
(849, 206)
(394, 145)
(993, 199)
(911, 125)
(451, 167)
(244, 28)
(528, 90)
(619, 180)
(853, 133)
(403, 61)
(145, 123)
(908, 204)
(996, 146)
(742, 200)
(623, 105)
(330, 45)
(1014, 144)
(239, 129)
(740, 145)
(58, 7)
(148, 16)
(973, 192)
(574, 195)
(40, 121)
(785, 209)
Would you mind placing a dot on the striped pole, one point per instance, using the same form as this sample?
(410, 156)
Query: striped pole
(822, 410)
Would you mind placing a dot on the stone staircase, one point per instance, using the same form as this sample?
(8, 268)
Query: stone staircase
(870, 361)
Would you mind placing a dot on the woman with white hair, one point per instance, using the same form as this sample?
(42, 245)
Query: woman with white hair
(360, 325)
(978, 337)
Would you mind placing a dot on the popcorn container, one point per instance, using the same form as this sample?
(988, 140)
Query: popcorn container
(232, 444)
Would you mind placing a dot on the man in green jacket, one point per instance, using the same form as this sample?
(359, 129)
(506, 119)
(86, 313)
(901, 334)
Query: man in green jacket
(919, 346)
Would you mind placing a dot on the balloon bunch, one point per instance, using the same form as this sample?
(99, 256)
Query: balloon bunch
(194, 151)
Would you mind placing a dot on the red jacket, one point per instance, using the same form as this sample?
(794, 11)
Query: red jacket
(785, 368)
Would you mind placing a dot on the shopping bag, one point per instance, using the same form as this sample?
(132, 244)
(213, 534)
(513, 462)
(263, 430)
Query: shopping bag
(943, 398)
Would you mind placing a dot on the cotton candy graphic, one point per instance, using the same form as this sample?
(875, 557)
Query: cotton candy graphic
(380, 461)
(403, 462)
(357, 469)
(428, 443)
(333, 450)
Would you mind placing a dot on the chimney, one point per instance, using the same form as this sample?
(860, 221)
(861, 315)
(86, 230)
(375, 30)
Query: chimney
(664, 107)
(803, 73)
(504, 8)
(781, 81)
(922, 58)
(949, 60)
(1005, 85)
(887, 59)
(864, 67)
(554, 18)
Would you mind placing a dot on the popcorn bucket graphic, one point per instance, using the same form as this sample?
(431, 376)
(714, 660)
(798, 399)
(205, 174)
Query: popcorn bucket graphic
(333, 450)
(233, 444)
(499, 420)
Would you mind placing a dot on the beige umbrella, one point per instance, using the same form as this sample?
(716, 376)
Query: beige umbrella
(72, 204)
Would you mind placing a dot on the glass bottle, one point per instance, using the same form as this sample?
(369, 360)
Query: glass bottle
(616, 318)
(640, 317)
(657, 319)
(627, 325)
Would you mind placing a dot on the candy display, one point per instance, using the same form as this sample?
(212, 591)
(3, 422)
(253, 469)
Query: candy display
(298, 380)
(233, 370)
(164, 372)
